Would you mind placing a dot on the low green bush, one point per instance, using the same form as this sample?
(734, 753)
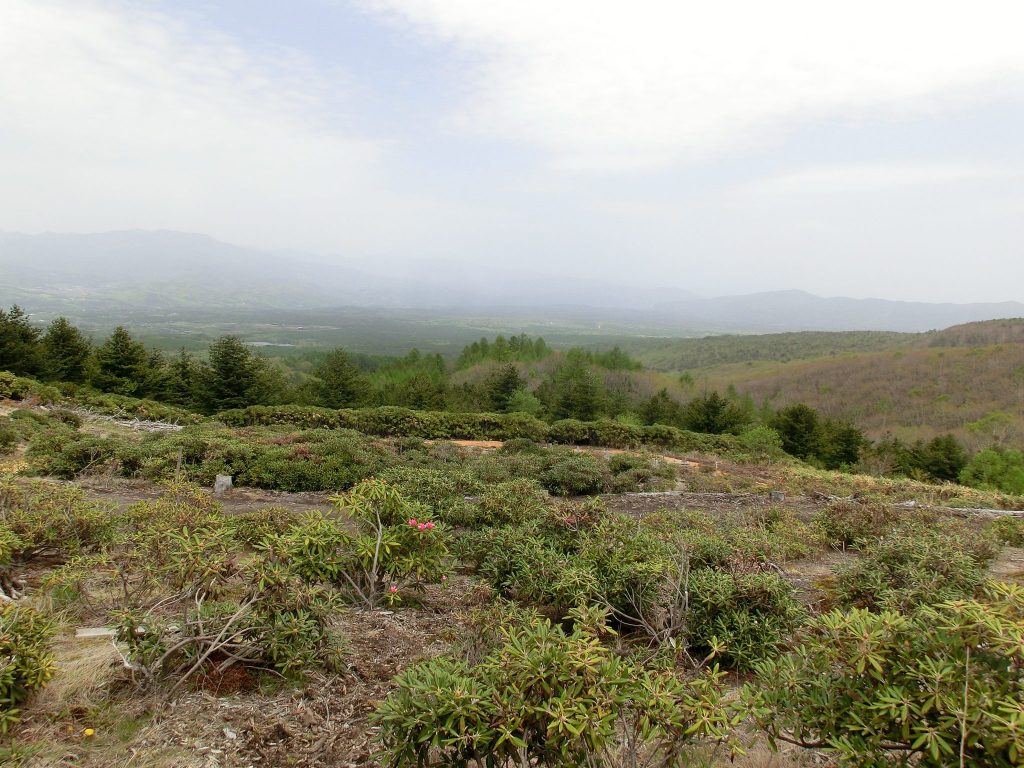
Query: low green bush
(8, 436)
(575, 474)
(443, 491)
(1009, 530)
(550, 698)
(26, 662)
(388, 544)
(393, 421)
(513, 502)
(18, 388)
(67, 455)
(847, 523)
(741, 618)
(940, 687)
(920, 562)
(631, 473)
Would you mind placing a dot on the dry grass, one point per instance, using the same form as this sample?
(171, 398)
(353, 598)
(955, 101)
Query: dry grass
(761, 756)
(86, 671)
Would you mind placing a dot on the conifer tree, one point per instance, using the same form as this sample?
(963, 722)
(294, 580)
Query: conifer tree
(122, 365)
(339, 383)
(66, 352)
(231, 376)
(501, 385)
(20, 351)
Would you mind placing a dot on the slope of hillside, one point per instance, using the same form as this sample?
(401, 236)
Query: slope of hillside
(910, 393)
(688, 354)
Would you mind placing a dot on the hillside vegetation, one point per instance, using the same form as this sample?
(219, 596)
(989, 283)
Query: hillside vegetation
(689, 354)
(966, 380)
(522, 557)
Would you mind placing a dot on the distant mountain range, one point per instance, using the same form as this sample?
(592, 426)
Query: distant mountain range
(175, 272)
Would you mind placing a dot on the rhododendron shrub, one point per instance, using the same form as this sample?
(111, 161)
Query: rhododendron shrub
(381, 540)
(547, 697)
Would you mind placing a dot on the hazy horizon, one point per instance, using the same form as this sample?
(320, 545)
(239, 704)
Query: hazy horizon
(862, 151)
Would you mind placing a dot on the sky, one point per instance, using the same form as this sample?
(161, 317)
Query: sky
(845, 148)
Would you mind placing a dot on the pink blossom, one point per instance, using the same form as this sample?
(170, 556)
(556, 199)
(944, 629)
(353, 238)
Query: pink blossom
(444, 578)
(430, 526)
(392, 588)
(422, 526)
(412, 521)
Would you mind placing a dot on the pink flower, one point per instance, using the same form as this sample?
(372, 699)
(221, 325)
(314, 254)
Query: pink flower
(412, 521)
(422, 526)
(430, 526)
(392, 588)
(444, 578)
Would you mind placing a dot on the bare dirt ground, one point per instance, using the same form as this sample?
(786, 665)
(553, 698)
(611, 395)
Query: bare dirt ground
(245, 721)
(124, 492)
(1009, 565)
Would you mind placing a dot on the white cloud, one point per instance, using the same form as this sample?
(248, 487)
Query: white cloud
(114, 118)
(608, 85)
(872, 178)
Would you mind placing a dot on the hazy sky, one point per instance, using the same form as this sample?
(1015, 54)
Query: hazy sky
(860, 148)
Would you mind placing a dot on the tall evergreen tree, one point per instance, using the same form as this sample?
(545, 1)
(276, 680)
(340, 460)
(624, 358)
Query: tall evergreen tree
(713, 414)
(339, 383)
(501, 385)
(20, 350)
(66, 352)
(799, 427)
(660, 408)
(578, 394)
(122, 365)
(182, 386)
(231, 376)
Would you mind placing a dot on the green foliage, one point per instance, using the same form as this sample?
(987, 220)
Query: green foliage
(851, 523)
(798, 428)
(338, 382)
(1000, 469)
(18, 388)
(517, 348)
(66, 352)
(20, 351)
(124, 407)
(122, 365)
(637, 472)
(8, 436)
(614, 359)
(1009, 530)
(548, 697)
(513, 502)
(744, 616)
(578, 393)
(574, 474)
(501, 386)
(316, 460)
(391, 544)
(44, 514)
(68, 455)
(714, 414)
(942, 686)
(26, 663)
(392, 421)
(661, 408)
(760, 442)
(916, 563)
(234, 376)
(442, 491)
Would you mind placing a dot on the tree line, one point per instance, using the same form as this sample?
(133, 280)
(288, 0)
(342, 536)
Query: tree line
(581, 385)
